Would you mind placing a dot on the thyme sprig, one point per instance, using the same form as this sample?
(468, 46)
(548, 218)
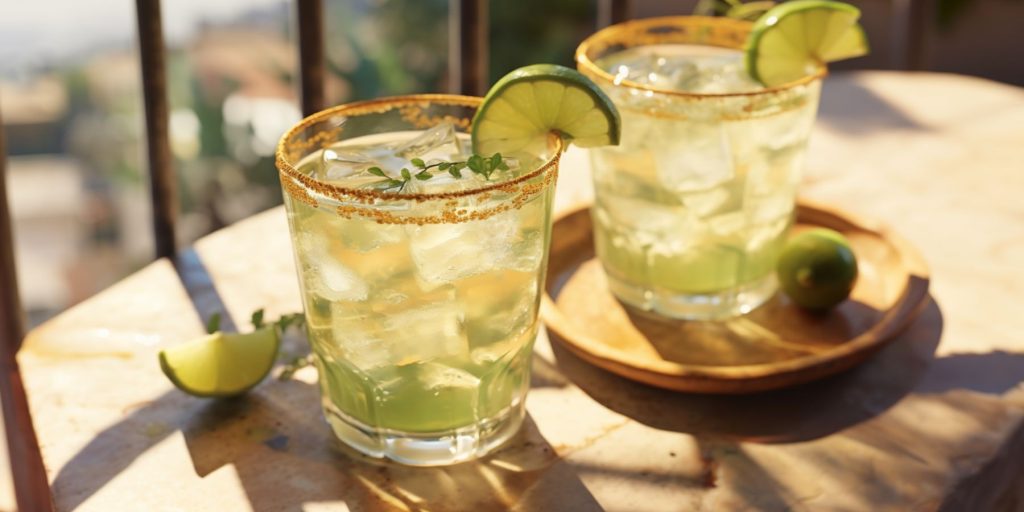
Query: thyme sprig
(422, 171)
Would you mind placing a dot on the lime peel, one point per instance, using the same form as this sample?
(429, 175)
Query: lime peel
(525, 106)
(798, 38)
(817, 269)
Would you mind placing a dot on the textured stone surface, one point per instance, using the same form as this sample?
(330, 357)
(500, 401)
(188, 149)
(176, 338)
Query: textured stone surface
(934, 421)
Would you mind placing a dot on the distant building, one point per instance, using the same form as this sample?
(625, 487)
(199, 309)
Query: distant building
(34, 112)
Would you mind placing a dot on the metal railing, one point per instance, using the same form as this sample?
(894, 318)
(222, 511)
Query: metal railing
(468, 49)
(31, 488)
(468, 71)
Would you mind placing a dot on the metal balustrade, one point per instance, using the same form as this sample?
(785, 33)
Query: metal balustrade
(31, 488)
(468, 67)
(468, 48)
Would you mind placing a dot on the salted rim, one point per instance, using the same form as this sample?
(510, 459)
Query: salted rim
(629, 27)
(375, 106)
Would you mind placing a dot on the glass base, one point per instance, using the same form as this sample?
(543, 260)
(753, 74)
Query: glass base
(706, 306)
(427, 448)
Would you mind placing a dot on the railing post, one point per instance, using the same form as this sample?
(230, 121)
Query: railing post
(162, 184)
(309, 17)
(908, 30)
(610, 12)
(468, 46)
(31, 486)
(12, 323)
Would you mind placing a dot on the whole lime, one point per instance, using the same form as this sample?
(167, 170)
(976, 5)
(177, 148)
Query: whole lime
(817, 269)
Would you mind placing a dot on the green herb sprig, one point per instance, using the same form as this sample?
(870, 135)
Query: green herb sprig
(477, 164)
(294, 363)
(283, 322)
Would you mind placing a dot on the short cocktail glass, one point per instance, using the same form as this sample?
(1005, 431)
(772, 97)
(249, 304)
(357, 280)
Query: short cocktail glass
(421, 300)
(693, 206)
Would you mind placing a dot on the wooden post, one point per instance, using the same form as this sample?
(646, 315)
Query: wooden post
(31, 487)
(908, 33)
(162, 183)
(610, 12)
(468, 46)
(311, 55)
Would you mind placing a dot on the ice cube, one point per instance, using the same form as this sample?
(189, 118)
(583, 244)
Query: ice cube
(446, 252)
(362, 345)
(337, 164)
(651, 68)
(727, 224)
(337, 282)
(442, 181)
(509, 316)
(762, 179)
(681, 68)
(675, 70)
(364, 235)
(696, 156)
(646, 216)
(437, 376)
(706, 203)
(497, 303)
(631, 66)
(770, 209)
(785, 131)
(400, 334)
(718, 75)
(392, 296)
(528, 251)
(439, 141)
(652, 227)
(502, 349)
(762, 235)
(427, 332)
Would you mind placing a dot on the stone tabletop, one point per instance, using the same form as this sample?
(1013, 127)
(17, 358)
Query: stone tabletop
(935, 421)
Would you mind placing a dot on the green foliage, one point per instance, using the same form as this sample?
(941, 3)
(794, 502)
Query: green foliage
(387, 47)
(749, 11)
(530, 31)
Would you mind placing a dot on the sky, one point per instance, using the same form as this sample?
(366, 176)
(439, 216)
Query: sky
(33, 32)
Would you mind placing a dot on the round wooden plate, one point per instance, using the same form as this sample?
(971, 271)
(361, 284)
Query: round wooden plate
(775, 346)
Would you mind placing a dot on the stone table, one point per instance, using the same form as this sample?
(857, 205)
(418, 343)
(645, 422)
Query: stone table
(933, 422)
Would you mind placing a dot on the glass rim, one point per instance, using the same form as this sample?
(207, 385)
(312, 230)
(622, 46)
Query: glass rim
(588, 67)
(287, 168)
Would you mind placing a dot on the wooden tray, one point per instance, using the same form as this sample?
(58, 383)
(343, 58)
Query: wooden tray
(775, 346)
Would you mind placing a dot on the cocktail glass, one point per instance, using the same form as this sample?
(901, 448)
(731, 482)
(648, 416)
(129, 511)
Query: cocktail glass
(420, 302)
(693, 206)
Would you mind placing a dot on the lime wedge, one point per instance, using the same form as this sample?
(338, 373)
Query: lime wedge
(220, 364)
(797, 38)
(527, 104)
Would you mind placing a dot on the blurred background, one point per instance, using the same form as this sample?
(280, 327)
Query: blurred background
(71, 104)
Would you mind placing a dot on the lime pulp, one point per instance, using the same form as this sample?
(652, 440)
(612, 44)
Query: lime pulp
(797, 38)
(221, 364)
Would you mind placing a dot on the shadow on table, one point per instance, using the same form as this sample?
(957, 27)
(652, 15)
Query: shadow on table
(776, 331)
(201, 290)
(991, 373)
(859, 110)
(285, 456)
(800, 413)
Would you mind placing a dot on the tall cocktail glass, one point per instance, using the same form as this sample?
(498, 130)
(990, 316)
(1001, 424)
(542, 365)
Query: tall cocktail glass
(420, 300)
(692, 207)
